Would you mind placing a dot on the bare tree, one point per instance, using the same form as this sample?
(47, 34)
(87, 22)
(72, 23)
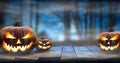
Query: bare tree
(31, 5)
(67, 20)
(92, 20)
(37, 16)
(100, 16)
(86, 23)
(77, 19)
(111, 22)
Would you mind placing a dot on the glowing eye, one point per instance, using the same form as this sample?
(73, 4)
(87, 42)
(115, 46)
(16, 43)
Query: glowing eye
(48, 43)
(103, 38)
(114, 37)
(28, 35)
(8, 35)
(40, 42)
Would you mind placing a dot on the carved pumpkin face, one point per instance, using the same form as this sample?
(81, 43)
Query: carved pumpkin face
(17, 39)
(44, 44)
(109, 41)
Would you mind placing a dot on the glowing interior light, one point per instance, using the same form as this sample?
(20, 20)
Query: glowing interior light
(28, 35)
(114, 37)
(8, 35)
(103, 38)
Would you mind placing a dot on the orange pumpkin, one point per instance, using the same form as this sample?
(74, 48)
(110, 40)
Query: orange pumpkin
(17, 38)
(43, 44)
(109, 40)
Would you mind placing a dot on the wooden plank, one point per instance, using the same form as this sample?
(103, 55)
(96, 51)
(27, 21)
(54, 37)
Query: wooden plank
(3, 55)
(104, 54)
(83, 52)
(68, 53)
(7, 57)
(53, 52)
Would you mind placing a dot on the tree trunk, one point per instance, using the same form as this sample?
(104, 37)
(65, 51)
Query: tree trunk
(111, 19)
(37, 16)
(21, 13)
(77, 19)
(86, 20)
(100, 17)
(31, 5)
(67, 20)
(92, 25)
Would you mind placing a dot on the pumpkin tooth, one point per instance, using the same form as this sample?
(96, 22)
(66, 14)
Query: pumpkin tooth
(48, 46)
(111, 48)
(28, 46)
(39, 46)
(12, 46)
(22, 48)
(102, 46)
(24, 45)
(116, 46)
(14, 49)
(8, 47)
(106, 48)
(7, 44)
(18, 47)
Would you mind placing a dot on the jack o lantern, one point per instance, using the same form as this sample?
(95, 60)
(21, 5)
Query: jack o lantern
(43, 44)
(17, 38)
(109, 40)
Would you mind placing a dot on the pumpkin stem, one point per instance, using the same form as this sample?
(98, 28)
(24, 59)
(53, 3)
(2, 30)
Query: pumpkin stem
(18, 23)
(42, 37)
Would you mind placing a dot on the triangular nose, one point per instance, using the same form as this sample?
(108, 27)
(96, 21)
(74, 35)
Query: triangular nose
(18, 41)
(44, 44)
(108, 43)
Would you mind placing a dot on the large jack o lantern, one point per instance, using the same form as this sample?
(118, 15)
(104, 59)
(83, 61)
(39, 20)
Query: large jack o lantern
(17, 38)
(109, 40)
(43, 44)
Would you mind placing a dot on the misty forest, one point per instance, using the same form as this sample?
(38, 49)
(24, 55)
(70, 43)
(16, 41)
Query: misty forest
(69, 20)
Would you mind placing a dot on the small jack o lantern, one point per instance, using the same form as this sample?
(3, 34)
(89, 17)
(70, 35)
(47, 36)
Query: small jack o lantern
(17, 38)
(109, 40)
(43, 44)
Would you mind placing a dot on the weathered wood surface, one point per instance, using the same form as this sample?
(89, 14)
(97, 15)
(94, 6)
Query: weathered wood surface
(83, 52)
(68, 52)
(53, 52)
(65, 52)
(101, 54)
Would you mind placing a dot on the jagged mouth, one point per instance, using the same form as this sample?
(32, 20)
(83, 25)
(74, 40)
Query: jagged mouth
(44, 47)
(17, 48)
(109, 47)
